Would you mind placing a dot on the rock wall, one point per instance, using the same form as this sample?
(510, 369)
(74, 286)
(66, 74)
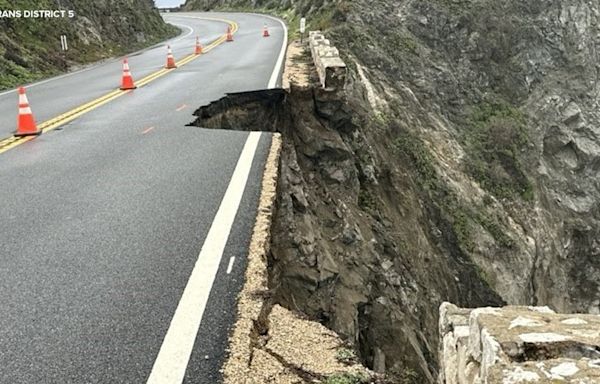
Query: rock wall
(513, 345)
(330, 67)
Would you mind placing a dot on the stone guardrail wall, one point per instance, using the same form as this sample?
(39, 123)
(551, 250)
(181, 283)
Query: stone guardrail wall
(513, 345)
(330, 67)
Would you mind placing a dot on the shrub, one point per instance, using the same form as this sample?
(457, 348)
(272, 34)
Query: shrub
(346, 378)
(495, 137)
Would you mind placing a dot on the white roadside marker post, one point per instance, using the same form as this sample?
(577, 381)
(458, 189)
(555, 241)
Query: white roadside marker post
(302, 28)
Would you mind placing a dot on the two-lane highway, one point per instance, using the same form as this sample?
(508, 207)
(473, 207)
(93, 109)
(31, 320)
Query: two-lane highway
(118, 228)
(52, 97)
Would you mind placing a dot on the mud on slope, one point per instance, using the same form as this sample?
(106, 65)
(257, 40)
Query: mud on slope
(460, 164)
(348, 246)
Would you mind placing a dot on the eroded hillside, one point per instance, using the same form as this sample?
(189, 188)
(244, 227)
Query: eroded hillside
(460, 164)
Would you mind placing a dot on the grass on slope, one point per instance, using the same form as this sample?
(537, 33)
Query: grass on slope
(30, 48)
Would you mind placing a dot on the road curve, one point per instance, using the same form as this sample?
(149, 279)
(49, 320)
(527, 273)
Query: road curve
(104, 218)
(52, 97)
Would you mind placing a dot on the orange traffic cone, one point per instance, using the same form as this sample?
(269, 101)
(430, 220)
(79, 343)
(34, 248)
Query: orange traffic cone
(25, 122)
(170, 60)
(229, 34)
(127, 81)
(266, 31)
(198, 46)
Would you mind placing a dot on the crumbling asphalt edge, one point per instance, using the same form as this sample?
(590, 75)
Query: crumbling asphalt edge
(251, 300)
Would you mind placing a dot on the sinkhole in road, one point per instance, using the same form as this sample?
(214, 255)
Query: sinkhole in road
(261, 110)
(278, 110)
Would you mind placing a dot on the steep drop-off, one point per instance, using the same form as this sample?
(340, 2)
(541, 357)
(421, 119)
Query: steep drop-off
(30, 49)
(459, 164)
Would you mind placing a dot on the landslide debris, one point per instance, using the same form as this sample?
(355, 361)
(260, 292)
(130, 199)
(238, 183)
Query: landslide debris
(321, 262)
(30, 49)
(459, 164)
(271, 344)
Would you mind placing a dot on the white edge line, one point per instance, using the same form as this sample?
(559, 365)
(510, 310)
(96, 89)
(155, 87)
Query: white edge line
(279, 63)
(181, 37)
(96, 65)
(230, 266)
(172, 360)
(53, 78)
(272, 80)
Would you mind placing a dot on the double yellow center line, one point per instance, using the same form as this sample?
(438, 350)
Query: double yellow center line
(71, 115)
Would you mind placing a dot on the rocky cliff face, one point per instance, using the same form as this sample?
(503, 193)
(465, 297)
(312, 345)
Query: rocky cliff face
(460, 164)
(30, 48)
(301, 6)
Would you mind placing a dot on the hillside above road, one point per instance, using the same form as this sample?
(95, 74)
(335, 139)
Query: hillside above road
(30, 49)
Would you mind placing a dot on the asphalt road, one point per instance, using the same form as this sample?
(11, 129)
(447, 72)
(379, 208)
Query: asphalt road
(103, 219)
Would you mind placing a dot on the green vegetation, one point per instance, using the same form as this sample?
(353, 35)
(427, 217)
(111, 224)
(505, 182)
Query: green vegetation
(345, 355)
(462, 220)
(493, 228)
(366, 200)
(409, 376)
(457, 217)
(495, 137)
(30, 48)
(347, 378)
(461, 226)
(414, 149)
(455, 7)
(484, 276)
(356, 37)
(401, 43)
(12, 74)
(320, 15)
(322, 21)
